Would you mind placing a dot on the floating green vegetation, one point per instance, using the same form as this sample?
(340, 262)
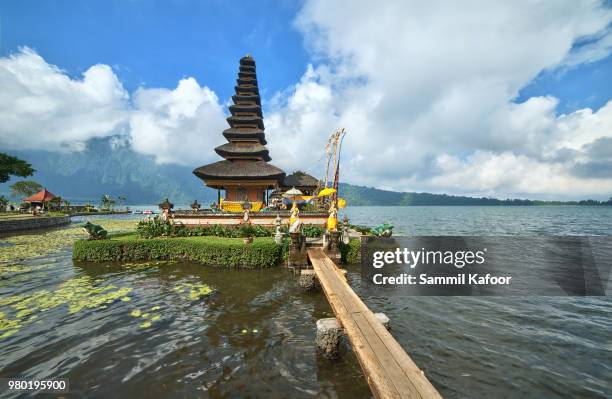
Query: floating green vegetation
(148, 318)
(193, 291)
(147, 265)
(77, 294)
(27, 246)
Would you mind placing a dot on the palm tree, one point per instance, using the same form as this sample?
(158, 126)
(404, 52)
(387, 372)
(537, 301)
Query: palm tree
(121, 199)
(3, 203)
(106, 199)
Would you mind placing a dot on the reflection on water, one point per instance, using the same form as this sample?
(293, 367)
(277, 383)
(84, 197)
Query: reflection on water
(253, 335)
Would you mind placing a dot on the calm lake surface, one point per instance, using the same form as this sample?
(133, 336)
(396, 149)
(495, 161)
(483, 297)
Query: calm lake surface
(254, 336)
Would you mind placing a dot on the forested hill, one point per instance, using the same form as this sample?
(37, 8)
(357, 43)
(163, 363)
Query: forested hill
(105, 168)
(359, 195)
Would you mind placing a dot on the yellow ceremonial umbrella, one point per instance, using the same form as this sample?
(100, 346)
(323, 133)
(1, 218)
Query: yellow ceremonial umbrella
(325, 192)
(341, 203)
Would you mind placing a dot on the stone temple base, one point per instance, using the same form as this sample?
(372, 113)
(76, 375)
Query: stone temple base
(256, 218)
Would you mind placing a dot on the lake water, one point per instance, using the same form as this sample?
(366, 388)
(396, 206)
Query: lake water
(254, 336)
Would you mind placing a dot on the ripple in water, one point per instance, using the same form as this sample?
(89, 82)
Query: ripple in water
(254, 335)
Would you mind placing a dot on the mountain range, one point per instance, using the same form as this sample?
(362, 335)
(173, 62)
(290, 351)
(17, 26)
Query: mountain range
(108, 166)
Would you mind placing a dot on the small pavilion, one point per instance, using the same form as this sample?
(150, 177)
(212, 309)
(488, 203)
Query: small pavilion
(41, 198)
(245, 174)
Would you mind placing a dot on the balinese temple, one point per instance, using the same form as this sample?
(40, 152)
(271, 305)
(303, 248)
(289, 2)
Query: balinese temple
(244, 174)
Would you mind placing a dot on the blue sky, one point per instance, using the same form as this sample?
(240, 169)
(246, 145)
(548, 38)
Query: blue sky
(506, 99)
(155, 43)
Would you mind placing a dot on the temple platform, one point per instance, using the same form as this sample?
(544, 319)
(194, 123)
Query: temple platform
(257, 218)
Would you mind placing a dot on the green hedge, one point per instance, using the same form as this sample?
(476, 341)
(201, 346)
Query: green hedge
(351, 252)
(210, 251)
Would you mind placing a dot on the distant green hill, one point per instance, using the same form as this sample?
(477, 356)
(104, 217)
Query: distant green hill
(360, 196)
(104, 168)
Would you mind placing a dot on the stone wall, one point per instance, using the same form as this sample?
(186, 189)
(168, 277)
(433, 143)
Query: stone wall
(35, 222)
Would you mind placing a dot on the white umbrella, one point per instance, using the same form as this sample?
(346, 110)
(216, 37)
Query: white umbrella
(294, 192)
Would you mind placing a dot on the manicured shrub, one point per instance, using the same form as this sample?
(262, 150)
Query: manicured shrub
(351, 252)
(156, 227)
(364, 230)
(311, 230)
(210, 251)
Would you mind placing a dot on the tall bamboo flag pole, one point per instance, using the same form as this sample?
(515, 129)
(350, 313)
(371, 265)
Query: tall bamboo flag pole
(339, 139)
(328, 153)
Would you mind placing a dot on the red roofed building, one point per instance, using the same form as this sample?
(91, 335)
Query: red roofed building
(41, 197)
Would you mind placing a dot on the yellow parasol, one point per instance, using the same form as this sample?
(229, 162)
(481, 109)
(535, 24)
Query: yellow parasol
(325, 192)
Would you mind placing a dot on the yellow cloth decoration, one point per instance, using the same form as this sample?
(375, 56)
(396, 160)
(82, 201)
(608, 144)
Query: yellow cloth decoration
(326, 191)
(332, 223)
(341, 203)
(236, 206)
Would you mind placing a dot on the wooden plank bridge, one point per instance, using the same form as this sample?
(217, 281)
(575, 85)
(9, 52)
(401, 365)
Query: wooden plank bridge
(388, 369)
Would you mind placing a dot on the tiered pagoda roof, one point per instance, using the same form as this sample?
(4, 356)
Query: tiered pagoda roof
(246, 156)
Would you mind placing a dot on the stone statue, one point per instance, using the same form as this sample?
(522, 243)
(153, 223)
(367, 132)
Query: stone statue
(383, 230)
(332, 220)
(96, 232)
(295, 214)
(346, 237)
(278, 236)
(246, 217)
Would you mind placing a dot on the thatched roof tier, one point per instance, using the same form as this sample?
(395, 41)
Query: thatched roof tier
(245, 134)
(246, 89)
(247, 60)
(251, 150)
(239, 170)
(246, 79)
(251, 109)
(247, 75)
(253, 120)
(247, 68)
(246, 99)
(300, 179)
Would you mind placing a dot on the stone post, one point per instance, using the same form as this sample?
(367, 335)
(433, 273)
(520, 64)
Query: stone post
(308, 280)
(297, 253)
(329, 333)
(334, 247)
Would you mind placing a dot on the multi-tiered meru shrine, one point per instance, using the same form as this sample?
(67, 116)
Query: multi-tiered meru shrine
(245, 174)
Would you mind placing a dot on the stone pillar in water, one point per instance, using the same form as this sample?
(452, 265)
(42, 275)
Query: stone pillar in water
(334, 247)
(297, 251)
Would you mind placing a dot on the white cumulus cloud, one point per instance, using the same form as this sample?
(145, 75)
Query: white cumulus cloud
(421, 86)
(181, 126)
(41, 107)
(427, 91)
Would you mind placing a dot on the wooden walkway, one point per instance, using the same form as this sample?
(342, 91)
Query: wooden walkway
(388, 369)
